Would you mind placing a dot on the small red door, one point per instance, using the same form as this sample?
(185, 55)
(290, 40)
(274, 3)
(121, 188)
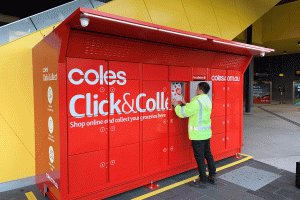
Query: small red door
(179, 149)
(179, 73)
(177, 126)
(217, 143)
(155, 72)
(87, 170)
(124, 162)
(218, 108)
(233, 90)
(154, 107)
(232, 122)
(219, 90)
(87, 134)
(124, 129)
(155, 155)
(218, 124)
(86, 99)
(232, 106)
(233, 139)
(123, 97)
(123, 70)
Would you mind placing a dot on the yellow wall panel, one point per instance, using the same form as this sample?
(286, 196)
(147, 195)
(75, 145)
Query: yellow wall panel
(134, 9)
(242, 36)
(201, 17)
(257, 31)
(16, 88)
(227, 17)
(267, 27)
(294, 30)
(168, 13)
(15, 160)
(250, 10)
(280, 21)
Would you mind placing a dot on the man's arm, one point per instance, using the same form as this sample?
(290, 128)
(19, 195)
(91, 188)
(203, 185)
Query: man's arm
(187, 110)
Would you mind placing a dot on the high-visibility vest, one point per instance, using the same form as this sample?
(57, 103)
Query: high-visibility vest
(198, 111)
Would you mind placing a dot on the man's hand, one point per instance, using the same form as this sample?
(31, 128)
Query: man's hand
(183, 101)
(175, 103)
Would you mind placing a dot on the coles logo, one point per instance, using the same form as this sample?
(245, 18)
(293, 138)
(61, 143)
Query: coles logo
(218, 78)
(223, 78)
(100, 77)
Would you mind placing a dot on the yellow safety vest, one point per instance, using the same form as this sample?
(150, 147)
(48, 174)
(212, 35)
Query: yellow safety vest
(198, 111)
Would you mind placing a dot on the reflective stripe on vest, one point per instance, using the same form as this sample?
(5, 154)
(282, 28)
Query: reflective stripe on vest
(182, 111)
(200, 120)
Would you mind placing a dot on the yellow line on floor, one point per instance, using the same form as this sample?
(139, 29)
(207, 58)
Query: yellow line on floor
(30, 196)
(189, 179)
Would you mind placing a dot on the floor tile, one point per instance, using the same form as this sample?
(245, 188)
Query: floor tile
(249, 177)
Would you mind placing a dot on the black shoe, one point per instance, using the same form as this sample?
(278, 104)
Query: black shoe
(212, 179)
(197, 184)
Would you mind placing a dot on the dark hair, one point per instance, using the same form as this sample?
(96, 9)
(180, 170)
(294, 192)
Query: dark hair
(204, 87)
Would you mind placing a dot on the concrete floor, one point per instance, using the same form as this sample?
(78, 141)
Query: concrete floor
(270, 139)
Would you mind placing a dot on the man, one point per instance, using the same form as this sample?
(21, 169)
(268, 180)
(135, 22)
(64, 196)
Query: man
(199, 111)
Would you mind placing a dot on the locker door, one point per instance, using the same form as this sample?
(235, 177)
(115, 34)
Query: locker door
(218, 108)
(124, 162)
(179, 73)
(155, 72)
(179, 152)
(123, 97)
(123, 129)
(234, 89)
(233, 122)
(82, 98)
(177, 126)
(124, 69)
(155, 155)
(87, 134)
(217, 143)
(218, 124)
(219, 90)
(232, 106)
(87, 170)
(233, 139)
(155, 105)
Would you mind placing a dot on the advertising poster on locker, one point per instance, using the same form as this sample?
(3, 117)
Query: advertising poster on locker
(176, 91)
(262, 92)
(296, 94)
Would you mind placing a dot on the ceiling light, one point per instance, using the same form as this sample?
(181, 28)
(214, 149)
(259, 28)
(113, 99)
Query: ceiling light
(298, 43)
(284, 52)
(121, 21)
(244, 46)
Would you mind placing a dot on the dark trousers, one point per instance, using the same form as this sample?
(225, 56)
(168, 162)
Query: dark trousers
(202, 150)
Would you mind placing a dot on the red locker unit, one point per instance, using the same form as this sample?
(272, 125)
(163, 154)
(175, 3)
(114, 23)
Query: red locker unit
(104, 123)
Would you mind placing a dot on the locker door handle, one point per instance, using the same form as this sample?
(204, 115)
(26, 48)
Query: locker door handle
(223, 105)
(223, 122)
(165, 150)
(227, 138)
(112, 162)
(171, 148)
(227, 122)
(227, 88)
(223, 88)
(102, 164)
(228, 105)
(223, 139)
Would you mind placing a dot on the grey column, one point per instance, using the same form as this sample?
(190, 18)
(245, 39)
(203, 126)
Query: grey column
(248, 76)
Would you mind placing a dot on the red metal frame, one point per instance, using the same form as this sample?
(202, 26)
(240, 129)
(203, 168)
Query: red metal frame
(142, 45)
